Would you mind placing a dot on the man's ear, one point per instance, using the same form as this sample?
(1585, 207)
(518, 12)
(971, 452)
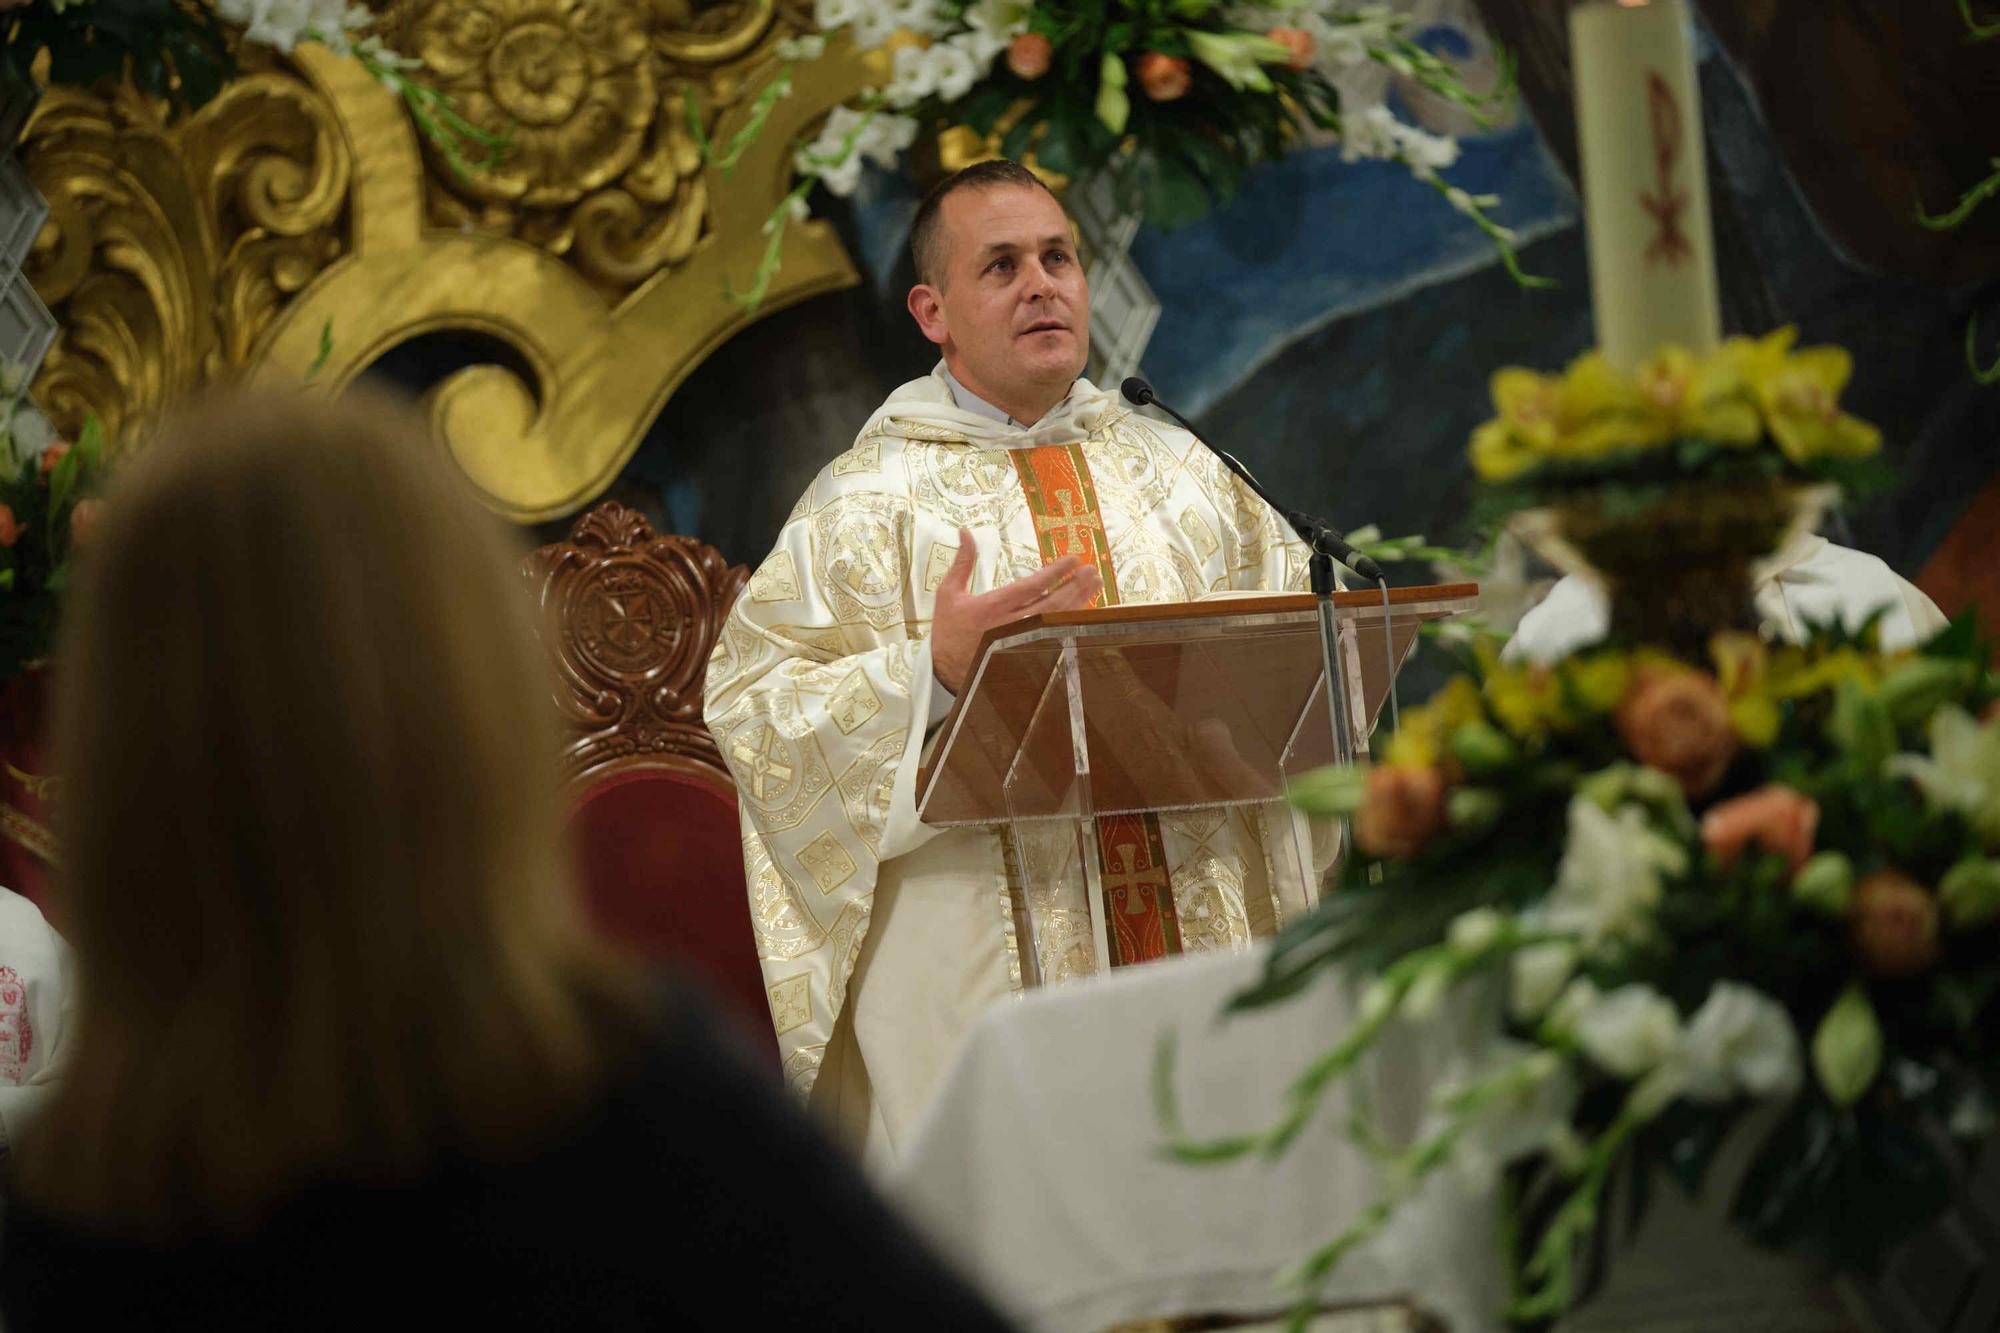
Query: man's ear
(927, 308)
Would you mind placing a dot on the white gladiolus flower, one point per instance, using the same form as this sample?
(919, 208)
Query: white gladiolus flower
(952, 71)
(912, 77)
(1538, 974)
(283, 24)
(1475, 931)
(1740, 1039)
(1425, 996)
(831, 14)
(1377, 1000)
(1610, 878)
(808, 46)
(871, 26)
(919, 16)
(1631, 1031)
(885, 138)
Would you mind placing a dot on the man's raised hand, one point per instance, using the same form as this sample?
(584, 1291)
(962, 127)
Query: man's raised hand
(961, 617)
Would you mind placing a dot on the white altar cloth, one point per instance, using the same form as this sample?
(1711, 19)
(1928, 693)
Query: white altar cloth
(1038, 1168)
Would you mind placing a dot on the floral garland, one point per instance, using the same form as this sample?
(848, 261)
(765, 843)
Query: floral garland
(1772, 878)
(1173, 100)
(1753, 404)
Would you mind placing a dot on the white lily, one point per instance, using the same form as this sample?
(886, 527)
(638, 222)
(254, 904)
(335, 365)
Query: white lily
(1962, 772)
(1611, 874)
(1631, 1031)
(1740, 1040)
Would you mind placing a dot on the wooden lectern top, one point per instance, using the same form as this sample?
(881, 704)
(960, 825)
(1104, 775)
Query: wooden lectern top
(1184, 704)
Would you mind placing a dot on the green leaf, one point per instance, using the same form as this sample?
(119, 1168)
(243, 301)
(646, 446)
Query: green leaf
(325, 350)
(62, 481)
(90, 444)
(1333, 790)
(1915, 690)
(1113, 108)
(1860, 726)
(1847, 1049)
(1825, 883)
(1970, 892)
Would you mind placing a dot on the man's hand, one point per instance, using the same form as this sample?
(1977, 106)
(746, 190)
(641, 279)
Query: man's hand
(962, 618)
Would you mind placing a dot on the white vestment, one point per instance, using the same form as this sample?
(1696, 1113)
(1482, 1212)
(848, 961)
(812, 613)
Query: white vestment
(37, 993)
(1810, 579)
(882, 939)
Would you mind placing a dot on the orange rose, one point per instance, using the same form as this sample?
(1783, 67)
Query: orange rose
(10, 527)
(1164, 77)
(1029, 56)
(83, 520)
(1297, 41)
(53, 455)
(1401, 810)
(1678, 722)
(1893, 922)
(1775, 818)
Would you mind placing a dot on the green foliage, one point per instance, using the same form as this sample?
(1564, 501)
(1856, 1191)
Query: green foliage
(175, 50)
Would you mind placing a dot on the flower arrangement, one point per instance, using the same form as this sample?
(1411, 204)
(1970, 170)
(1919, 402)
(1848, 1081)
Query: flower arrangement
(1716, 458)
(47, 511)
(1173, 100)
(1770, 878)
(1751, 407)
(181, 52)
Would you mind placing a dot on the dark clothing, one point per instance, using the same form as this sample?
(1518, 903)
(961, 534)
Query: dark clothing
(691, 1197)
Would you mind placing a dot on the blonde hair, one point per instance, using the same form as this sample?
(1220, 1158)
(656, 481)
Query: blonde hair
(310, 856)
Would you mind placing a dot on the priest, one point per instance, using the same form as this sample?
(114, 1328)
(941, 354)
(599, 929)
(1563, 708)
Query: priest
(999, 485)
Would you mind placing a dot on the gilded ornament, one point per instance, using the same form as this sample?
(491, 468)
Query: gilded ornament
(226, 242)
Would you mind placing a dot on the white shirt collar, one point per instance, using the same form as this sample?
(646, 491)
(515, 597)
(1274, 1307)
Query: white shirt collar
(971, 402)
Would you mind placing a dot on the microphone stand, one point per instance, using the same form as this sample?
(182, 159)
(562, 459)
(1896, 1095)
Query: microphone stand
(1326, 545)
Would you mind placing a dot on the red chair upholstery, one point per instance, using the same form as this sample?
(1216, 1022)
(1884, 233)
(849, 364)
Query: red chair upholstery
(629, 619)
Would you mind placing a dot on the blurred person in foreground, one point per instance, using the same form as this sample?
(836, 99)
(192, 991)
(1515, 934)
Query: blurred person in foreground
(344, 1050)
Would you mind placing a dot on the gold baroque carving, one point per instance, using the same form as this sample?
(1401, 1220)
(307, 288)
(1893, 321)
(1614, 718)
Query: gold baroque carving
(177, 254)
(604, 171)
(169, 248)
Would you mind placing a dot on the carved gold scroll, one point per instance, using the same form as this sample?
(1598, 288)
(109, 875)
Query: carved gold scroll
(595, 253)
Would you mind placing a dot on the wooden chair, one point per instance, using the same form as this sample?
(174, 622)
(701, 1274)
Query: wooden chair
(629, 619)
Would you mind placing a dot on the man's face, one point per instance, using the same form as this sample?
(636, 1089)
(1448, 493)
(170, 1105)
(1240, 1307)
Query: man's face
(1011, 309)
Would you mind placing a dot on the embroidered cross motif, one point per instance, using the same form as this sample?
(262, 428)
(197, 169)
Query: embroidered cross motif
(1072, 527)
(1123, 879)
(763, 765)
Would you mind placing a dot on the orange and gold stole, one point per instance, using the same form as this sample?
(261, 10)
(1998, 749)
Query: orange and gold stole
(1138, 892)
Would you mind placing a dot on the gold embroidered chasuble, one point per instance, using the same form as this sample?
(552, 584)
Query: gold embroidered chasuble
(882, 939)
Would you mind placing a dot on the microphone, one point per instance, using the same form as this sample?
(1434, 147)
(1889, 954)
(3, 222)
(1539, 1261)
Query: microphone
(1322, 537)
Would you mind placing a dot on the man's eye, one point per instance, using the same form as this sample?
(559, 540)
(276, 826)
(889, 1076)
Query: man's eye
(1058, 257)
(999, 265)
